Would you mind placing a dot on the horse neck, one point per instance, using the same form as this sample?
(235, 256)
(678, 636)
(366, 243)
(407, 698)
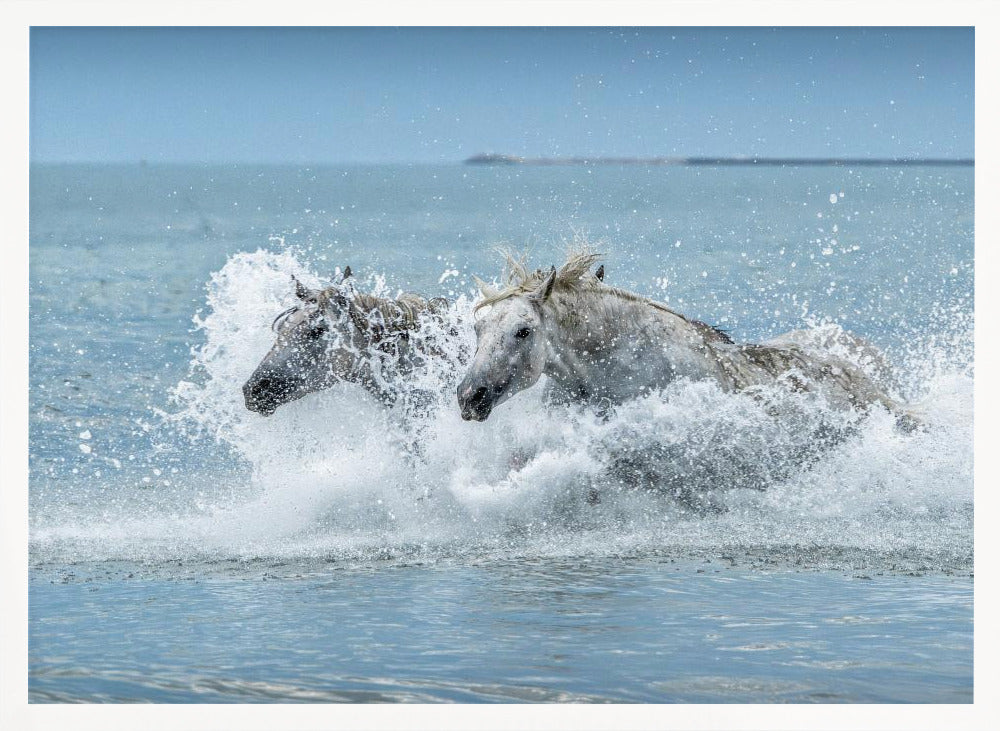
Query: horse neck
(597, 335)
(607, 316)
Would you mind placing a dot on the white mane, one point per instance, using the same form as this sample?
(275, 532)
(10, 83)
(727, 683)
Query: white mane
(573, 276)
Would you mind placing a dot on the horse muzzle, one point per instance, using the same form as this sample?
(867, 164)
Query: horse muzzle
(264, 395)
(476, 403)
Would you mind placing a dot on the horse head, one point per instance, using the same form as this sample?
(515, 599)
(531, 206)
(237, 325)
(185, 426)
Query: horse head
(511, 348)
(318, 342)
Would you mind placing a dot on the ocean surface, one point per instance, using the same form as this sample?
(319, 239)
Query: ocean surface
(184, 549)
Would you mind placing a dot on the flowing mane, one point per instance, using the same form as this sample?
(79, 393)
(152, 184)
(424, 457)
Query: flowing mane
(574, 276)
(401, 313)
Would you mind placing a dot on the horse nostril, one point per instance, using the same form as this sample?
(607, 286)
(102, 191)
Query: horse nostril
(479, 395)
(262, 386)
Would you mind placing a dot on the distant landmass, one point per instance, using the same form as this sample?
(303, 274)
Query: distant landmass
(498, 159)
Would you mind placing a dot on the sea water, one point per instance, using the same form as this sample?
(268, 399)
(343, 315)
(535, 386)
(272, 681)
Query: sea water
(185, 549)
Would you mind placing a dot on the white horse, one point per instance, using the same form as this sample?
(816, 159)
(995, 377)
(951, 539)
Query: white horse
(604, 345)
(340, 334)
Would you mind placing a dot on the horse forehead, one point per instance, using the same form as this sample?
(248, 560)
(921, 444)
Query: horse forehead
(514, 310)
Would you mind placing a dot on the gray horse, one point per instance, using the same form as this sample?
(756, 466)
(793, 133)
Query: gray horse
(339, 334)
(603, 345)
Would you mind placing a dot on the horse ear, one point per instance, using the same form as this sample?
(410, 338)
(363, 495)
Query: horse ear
(600, 273)
(545, 288)
(347, 273)
(301, 291)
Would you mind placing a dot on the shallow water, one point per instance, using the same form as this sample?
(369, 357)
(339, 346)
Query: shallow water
(185, 549)
(580, 630)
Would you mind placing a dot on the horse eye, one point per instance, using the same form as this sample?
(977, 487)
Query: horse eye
(316, 331)
(522, 333)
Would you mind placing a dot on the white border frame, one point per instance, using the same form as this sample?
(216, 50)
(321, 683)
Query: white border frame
(16, 16)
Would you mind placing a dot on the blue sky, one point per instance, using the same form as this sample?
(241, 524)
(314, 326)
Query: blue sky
(347, 95)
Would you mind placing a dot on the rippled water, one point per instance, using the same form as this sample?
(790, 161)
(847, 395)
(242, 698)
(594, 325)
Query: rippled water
(185, 549)
(595, 630)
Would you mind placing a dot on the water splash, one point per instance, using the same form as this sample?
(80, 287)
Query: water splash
(339, 476)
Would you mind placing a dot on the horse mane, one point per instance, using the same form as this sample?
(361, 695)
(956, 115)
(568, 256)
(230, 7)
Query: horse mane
(574, 276)
(401, 313)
